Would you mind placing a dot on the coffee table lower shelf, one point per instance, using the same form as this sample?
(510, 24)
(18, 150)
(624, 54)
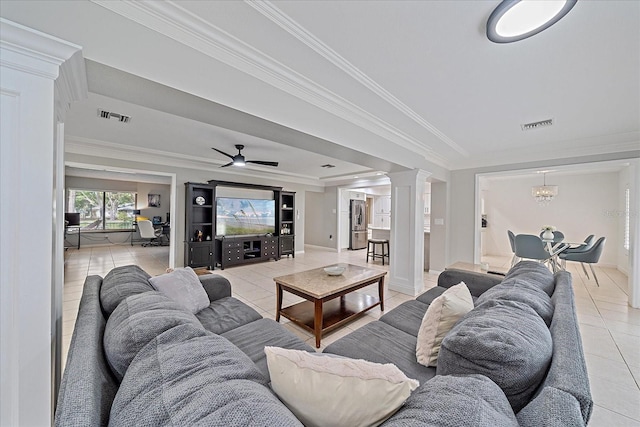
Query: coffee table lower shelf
(335, 312)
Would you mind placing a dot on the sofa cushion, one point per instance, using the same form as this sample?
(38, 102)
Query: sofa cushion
(552, 407)
(504, 340)
(440, 317)
(188, 376)
(324, 390)
(183, 286)
(253, 337)
(433, 293)
(517, 289)
(136, 321)
(382, 343)
(406, 317)
(225, 314)
(120, 283)
(452, 401)
(535, 274)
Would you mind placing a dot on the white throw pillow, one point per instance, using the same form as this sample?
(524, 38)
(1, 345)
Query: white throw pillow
(327, 390)
(183, 286)
(440, 317)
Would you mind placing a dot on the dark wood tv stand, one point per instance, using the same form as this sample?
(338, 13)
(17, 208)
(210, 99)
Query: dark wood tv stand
(236, 250)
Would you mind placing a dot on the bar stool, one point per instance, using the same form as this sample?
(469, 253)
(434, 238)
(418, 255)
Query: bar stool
(371, 249)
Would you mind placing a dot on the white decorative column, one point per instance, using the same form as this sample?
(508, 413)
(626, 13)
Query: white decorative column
(407, 231)
(40, 76)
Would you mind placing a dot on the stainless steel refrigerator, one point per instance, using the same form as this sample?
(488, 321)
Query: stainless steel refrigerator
(357, 224)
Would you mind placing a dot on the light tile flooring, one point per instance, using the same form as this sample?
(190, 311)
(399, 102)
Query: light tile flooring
(610, 328)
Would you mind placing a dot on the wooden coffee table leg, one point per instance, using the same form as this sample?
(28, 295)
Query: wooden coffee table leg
(381, 292)
(278, 301)
(317, 321)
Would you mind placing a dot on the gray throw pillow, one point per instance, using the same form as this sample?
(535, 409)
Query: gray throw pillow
(187, 377)
(534, 273)
(120, 283)
(516, 289)
(183, 286)
(135, 322)
(504, 340)
(456, 400)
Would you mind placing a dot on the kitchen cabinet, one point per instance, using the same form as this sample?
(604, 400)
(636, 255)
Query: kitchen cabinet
(382, 205)
(427, 203)
(382, 220)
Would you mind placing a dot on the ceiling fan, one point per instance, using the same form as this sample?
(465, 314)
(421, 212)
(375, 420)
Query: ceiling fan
(238, 159)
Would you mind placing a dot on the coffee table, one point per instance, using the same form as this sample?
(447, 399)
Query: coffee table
(331, 300)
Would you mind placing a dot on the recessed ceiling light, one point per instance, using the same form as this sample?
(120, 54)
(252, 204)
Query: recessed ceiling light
(356, 176)
(515, 20)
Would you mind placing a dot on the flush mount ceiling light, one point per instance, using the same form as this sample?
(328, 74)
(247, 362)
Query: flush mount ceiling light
(515, 20)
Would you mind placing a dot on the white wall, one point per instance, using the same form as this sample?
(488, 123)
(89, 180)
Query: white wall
(586, 204)
(314, 233)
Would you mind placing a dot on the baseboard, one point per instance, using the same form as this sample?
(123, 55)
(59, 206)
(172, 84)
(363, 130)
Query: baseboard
(325, 248)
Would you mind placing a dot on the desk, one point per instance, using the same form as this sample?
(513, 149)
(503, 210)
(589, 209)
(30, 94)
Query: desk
(66, 229)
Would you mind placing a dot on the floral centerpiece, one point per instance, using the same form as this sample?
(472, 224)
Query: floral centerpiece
(548, 232)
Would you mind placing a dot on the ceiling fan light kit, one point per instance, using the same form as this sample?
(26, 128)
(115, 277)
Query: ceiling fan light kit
(239, 160)
(515, 20)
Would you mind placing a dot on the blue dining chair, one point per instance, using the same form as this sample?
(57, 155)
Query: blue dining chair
(558, 236)
(530, 246)
(589, 256)
(588, 244)
(512, 242)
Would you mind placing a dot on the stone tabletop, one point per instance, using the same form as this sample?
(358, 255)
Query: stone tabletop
(318, 284)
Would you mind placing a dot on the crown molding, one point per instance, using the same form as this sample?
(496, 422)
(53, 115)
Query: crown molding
(110, 150)
(277, 16)
(173, 21)
(31, 51)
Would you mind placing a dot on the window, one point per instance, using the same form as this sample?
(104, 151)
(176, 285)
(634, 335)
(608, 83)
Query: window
(103, 210)
(627, 215)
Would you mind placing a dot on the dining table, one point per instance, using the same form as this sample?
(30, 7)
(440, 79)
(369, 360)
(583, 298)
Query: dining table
(555, 248)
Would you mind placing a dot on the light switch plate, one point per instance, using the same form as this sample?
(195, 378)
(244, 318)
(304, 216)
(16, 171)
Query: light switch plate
(439, 221)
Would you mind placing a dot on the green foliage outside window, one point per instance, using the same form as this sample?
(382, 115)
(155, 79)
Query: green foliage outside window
(103, 210)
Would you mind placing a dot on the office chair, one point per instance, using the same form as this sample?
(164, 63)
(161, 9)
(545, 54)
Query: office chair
(148, 232)
(590, 256)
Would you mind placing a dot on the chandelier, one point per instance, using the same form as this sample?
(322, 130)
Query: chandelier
(544, 193)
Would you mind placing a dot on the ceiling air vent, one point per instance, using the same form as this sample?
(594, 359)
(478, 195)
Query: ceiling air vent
(537, 125)
(328, 166)
(111, 115)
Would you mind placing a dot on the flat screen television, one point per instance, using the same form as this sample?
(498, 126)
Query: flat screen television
(237, 217)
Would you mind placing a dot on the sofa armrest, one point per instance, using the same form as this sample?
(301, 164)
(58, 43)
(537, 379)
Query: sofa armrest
(216, 286)
(476, 282)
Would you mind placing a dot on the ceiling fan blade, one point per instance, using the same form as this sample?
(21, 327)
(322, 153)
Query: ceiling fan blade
(222, 152)
(228, 164)
(260, 162)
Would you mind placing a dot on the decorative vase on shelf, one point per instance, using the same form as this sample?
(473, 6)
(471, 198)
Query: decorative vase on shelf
(547, 235)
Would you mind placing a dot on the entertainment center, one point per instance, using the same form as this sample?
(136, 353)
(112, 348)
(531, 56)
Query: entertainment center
(231, 230)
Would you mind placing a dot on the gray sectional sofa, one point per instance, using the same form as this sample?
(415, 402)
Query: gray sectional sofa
(137, 358)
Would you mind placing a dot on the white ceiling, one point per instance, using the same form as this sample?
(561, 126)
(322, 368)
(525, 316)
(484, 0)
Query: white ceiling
(384, 85)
